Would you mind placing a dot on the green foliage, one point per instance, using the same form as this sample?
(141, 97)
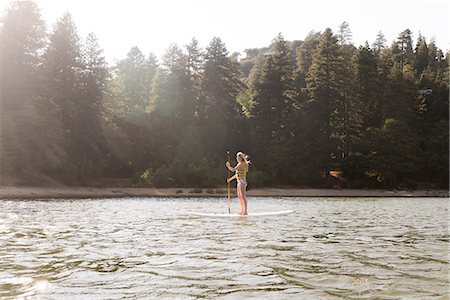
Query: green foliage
(421, 55)
(380, 43)
(74, 83)
(274, 105)
(144, 179)
(129, 89)
(244, 98)
(367, 100)
(301, 108)
(325, 105)
(304, 58)
(218, 111)
(402, 49)
(31, 137)
(382, 148)
(435, 157)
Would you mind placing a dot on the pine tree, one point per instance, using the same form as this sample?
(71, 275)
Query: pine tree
(325, 107)
(90, 111)
(273, 109)
(402, 49)
(421, 53)
(131, 85)
(364, 110)
(218, 109)
(173, 91)
(194, 59)
(65, 66)
(304, 58)
(400, 96)
(174, 95)
(367, 87)
(380, 43)
(344, 34)
(30, 133)
(350, 114)
(436, 56)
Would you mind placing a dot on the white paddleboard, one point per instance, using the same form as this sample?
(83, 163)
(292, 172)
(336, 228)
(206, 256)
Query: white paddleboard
(261, 214)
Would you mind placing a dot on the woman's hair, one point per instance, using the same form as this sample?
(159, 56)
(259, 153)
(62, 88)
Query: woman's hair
(244, 156)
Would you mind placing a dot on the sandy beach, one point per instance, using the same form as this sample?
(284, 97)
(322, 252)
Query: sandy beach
(93, 192)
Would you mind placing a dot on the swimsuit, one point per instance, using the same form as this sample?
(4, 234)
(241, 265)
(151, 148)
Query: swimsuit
(241, 175)
(242, 181)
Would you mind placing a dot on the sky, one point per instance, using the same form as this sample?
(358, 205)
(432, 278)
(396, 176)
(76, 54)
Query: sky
(153, 25)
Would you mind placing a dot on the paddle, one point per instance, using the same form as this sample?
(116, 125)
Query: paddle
(228, 156)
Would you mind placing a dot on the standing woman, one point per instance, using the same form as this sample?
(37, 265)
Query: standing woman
(241, 176)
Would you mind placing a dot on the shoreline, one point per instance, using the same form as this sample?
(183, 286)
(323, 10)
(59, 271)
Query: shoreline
(112, 192)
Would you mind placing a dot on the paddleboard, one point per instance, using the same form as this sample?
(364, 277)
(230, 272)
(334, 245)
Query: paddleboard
(261, 214)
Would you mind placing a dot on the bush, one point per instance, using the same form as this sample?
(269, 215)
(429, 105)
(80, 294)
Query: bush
(144, 179)
(161, 178)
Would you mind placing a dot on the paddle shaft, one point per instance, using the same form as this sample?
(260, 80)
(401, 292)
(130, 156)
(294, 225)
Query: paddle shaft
(229, 200)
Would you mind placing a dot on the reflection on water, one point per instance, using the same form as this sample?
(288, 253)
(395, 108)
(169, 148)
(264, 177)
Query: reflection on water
(333, 248)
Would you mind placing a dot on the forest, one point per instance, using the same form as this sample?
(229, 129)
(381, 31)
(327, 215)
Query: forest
(316, 112)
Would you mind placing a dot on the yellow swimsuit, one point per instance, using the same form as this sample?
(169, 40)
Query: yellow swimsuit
(242, 173)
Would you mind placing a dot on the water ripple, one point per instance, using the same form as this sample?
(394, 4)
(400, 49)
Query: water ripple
(332, 248)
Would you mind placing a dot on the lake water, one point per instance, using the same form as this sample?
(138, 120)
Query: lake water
(330, 248)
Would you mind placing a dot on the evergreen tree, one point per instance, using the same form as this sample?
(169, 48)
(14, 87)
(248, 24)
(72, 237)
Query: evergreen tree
(400, 96)
(421, 53)
(364, 110)
(175, 89)
(434, 118)
(350, 114)
(30, 133)
(273, 110)
(174, 96)
(65, 66)
(344, 34)
(380, 43)
(325, 107)
(218, 109)
(306, 107)
(194, 59)
(90, 111)
(304, 60)
(131, 85)
(402, 49)
(436, 56)
(367, 89)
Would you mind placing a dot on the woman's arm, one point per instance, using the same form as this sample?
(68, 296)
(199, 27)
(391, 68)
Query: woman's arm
(238, 166)
(232, 177)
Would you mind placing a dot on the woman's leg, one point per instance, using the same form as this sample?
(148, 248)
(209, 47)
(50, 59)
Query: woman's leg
(244, 198)
(241, 204)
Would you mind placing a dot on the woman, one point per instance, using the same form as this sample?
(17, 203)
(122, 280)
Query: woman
(241, 176)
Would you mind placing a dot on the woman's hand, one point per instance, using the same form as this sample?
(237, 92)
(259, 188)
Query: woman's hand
(227, 164)
(228, 180)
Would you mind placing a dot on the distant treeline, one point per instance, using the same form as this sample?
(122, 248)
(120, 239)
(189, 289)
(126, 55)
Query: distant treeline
(316, 112)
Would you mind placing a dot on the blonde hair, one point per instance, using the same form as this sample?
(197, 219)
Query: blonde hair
(244, 156)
